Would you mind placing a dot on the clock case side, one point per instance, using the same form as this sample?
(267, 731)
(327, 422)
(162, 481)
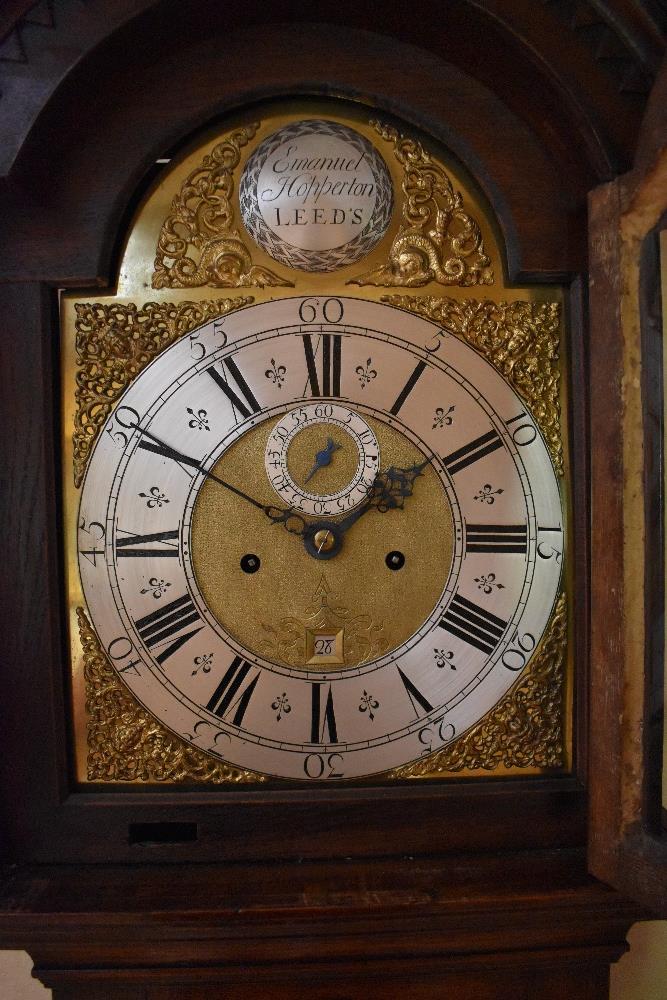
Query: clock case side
(628, 841)
(55, 822)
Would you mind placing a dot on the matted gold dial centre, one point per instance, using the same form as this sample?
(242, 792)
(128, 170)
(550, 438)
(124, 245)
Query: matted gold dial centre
(304, 613)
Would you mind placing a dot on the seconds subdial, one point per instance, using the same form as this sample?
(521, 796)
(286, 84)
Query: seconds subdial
(322, 458)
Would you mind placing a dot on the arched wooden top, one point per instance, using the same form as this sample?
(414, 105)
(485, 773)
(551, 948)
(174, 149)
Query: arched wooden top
(536, 131)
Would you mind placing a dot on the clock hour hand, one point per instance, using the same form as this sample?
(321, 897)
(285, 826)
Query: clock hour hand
(292, 521)
(324, 539)
(388, 492)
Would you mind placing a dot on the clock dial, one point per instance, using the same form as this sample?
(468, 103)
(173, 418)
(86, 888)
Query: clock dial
(329, 538)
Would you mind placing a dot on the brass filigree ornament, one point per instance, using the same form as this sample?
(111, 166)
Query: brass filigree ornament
(521, 339)
(199, 243)
(114, 343)
(288, 641)
(437, 241)
(125, 743)
(525, 729)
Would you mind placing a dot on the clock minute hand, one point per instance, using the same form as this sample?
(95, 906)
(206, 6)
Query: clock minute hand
(275, 514)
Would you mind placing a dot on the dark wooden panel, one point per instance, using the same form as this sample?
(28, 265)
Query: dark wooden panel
(481, 919)
(63, 217)
(32, 764)
(542, 976)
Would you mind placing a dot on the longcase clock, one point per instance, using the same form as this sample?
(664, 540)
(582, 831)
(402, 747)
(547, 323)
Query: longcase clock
(303, 416)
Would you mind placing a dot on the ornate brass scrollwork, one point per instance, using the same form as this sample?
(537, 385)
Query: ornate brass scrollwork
(199, 243)
(437, 241)
(114, 343)
(125, 743)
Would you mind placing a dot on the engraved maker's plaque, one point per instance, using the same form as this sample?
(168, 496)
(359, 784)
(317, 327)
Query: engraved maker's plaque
(316, 196)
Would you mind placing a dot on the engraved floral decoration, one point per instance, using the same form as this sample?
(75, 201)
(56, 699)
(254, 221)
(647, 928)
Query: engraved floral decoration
(199, 243)
(437, 240)
(521, 339)
(444, 658)
(125, 743)
(525, 729)
(286, 641)
(114, 343)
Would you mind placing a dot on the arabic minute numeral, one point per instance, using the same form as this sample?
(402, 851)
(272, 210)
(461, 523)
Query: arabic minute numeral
(121, 649)
(546, 550)
(443, 732)
(516, 657)
(316, 765)
(314, 310)
(127, 418)
(197, 349)
(97, 532)
(524, 433)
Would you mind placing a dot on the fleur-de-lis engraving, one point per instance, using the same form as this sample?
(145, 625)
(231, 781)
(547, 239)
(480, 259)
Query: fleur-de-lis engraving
(199, 419)
(281, 705)
(368, 704)
(366, 374)
(202, 663)
(442, 418)
(487, 494)
(156, 587)
(154, 498)
(444, 659)
(488, 583)
(276, 373)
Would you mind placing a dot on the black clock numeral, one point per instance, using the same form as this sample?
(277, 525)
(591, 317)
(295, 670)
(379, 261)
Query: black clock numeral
(132, 545)
(322, 722)
(472, 452)
(245, 406)
(408, 387)
(327, 381)
(496, 538)
(233, 692)
(525, 433)
(475, 625)
(415, 695)
(169, 620)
